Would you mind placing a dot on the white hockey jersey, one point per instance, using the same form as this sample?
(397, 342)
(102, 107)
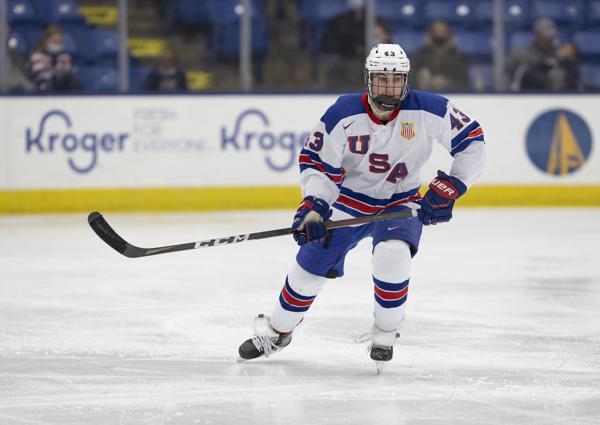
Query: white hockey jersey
(362, 166)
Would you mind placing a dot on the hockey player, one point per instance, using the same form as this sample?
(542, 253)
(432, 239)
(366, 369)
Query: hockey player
(364, 157)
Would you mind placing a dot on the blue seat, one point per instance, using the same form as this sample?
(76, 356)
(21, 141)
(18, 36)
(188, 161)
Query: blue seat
(98, 46)
(438, 9)
(456, 12)
(519, 39)
(21, 12)
(517, 14)
(137, 76)
(226, 40)
(484, 13)
(325, 10)
(593, 14)
(59, 12)
(31, 32)
(99, 79)
(70, 44)
(481, 77)
(475, 44)
(588, 43)
(306, 9)
(411, 41)
(402, 14)
(464, 13)
(225, 12)
(522, 38)
(190, 11)
(19, 43)
(590, 76)
(565, 13)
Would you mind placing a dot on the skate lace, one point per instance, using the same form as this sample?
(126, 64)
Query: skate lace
(266, 344)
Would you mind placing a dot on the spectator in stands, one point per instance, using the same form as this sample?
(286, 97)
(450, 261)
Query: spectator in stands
(50, 67)
(382, 32)
(17, 68)
(343, 46)
(344, 34)
(537, 65)
(568, 55)
(167, 76)
(440, 65)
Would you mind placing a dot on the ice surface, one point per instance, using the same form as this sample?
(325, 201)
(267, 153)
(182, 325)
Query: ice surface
(503, 325)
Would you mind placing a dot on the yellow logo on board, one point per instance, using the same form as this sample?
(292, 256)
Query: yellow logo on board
(565, 152)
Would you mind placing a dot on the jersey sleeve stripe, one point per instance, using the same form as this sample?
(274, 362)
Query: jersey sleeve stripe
(464, 134)
(472, 133)
(308, 159)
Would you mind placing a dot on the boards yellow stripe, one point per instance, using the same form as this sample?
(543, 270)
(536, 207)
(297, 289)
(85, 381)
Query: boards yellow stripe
(232, 198)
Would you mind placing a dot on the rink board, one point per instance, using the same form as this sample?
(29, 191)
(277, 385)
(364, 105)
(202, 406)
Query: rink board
(169, 153)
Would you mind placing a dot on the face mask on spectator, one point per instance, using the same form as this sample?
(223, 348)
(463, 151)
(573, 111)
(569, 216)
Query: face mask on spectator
(54, 47)
(439, 40)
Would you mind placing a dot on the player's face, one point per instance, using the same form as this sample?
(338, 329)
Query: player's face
(387, 84)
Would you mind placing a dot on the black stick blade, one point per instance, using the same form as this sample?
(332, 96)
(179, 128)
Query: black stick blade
(100, 226)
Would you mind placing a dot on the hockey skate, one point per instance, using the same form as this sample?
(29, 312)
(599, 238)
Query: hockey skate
(265, 341)
(381, 348)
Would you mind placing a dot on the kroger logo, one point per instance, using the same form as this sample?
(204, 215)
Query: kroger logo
(281, 148)
(54, 134)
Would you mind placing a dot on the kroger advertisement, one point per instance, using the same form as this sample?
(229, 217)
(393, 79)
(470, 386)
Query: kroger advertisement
(233, 140)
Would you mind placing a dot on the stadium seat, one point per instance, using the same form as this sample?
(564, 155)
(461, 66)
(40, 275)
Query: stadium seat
(99, 79)
(481, 77)
(31, 32)
(484, 13)
(438, 9)
(522, 38)
(517, 14)
(226, 40)
(137, 76)
(590, 76)
(411, 41)
(325, 10)
(59, 12)
(71, 45)
(98, 47)
(401, 14)
(565, 13)
(459, 13)
(18, 42)
(21, 12)
(190, 11)
(475, 44)
(225, 12)
(588, 43)
(593, 13)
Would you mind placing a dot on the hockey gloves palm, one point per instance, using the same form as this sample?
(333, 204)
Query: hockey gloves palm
(437, 204)
(308, 224)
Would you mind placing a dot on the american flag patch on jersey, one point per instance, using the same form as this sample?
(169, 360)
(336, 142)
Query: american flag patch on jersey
(407, 131)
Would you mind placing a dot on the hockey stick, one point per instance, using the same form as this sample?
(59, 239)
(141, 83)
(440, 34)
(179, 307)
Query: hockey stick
(101, 227)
